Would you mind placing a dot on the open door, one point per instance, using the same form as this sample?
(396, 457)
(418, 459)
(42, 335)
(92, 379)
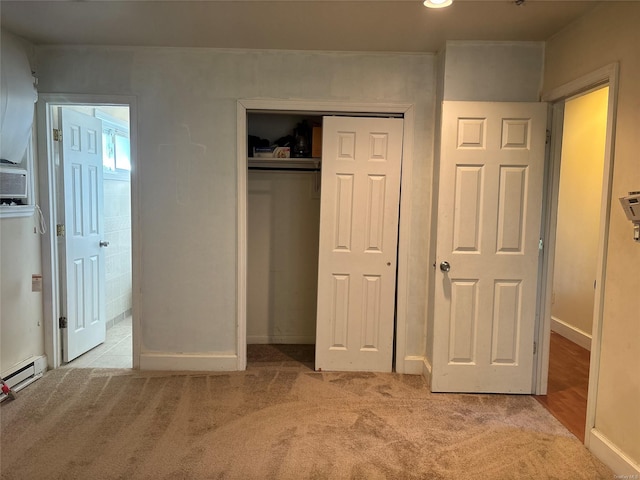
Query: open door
(489, 207)
(359, 210)
(81, 243)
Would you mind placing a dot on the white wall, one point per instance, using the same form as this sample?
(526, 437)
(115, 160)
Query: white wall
(187, 166)
(610, 33)
(493, 71)
(21, 327)
(117, 231)
(578, 224)
(282, 248)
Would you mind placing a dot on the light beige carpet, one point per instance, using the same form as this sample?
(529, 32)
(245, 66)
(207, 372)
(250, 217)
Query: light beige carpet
(277, 420)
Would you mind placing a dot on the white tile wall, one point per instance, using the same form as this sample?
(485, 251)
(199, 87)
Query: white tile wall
(117, 209)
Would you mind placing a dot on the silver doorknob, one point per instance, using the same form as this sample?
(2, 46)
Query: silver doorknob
(104, 243)
(445, 266)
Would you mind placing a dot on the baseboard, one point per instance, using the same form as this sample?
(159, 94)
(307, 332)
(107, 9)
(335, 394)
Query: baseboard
(189, 362)
(426, 371)
(281, 339)
(412, 365)
(577, 336)
(118, 318)
(609, 454)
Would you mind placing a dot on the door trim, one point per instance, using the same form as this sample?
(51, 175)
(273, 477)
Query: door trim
(605, 76)
(48, 204)
(403, 363)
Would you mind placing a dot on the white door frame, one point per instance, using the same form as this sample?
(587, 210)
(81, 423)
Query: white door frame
(403, 363)
(47, 182)
(606, 76)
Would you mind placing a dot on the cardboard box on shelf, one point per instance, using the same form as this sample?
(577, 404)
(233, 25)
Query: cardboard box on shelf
(316, 142)
(272, 152)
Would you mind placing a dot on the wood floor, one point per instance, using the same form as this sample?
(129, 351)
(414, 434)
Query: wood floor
(566, 397)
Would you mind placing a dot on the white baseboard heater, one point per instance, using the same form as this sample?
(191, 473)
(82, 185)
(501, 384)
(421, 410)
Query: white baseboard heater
(24, 374)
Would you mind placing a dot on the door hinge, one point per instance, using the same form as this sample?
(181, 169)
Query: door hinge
(59, 230)
(62, 322)
(535, 348)
(548, 137)
(57, 135)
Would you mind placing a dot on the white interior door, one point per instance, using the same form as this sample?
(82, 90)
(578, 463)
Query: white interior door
(82, 247)
(359, 208)
(489, 207)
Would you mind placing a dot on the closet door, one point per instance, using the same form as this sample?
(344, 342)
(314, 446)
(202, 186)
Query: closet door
(359, 211)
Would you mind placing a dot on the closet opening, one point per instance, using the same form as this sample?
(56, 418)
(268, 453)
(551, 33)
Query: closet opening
(283, 222)
(374, 339)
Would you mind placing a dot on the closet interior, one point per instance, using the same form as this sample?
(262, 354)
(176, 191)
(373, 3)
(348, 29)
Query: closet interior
(283, 228)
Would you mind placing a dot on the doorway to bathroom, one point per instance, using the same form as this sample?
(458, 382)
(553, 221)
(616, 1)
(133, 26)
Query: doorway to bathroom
(89, 165)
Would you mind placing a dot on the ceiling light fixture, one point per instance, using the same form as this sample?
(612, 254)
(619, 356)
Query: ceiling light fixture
(437, 3)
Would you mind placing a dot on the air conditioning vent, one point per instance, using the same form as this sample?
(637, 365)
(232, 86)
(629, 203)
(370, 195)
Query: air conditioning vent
(13, 182)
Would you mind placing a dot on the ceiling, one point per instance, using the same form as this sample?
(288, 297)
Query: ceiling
(334, 25)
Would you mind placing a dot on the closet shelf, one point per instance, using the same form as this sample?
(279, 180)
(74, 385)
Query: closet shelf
(283, 163)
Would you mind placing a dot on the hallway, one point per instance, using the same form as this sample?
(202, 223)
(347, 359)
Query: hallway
(566, 397)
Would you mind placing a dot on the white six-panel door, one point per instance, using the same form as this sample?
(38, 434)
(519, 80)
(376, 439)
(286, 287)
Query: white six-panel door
(81, 254)
(489, 207)
(359, 208)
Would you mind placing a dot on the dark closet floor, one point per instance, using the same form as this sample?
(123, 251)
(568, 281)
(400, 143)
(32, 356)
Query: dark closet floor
(278, 353)
(566, 397)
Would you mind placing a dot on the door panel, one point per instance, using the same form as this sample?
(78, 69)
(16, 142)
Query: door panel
(468, 192)
(464, 321)
(489, 207)
(358, 241)
(511, 209)
(81, 254)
